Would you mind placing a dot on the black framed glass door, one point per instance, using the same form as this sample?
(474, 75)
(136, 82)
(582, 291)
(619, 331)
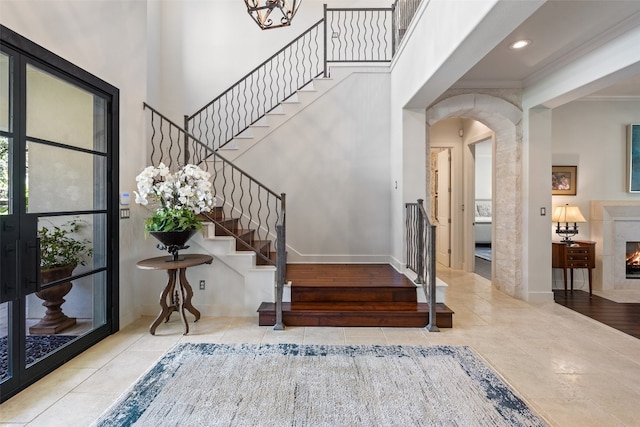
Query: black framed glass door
(58, 146)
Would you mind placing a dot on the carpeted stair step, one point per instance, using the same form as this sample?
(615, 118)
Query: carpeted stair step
(352, 314)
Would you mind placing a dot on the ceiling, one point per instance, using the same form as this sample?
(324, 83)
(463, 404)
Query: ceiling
(557, 30)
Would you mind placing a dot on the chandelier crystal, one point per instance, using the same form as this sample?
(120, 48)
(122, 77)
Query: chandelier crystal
(272, 13)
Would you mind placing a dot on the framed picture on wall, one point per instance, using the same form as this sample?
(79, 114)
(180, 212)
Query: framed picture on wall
(633, 154)
(564, 180)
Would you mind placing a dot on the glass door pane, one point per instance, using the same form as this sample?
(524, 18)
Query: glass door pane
(4, 92)
(61, 112)
(65, 179)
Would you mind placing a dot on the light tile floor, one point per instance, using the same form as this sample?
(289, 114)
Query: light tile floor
(571, 369)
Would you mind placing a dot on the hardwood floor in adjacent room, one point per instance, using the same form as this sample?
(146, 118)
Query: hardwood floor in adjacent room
(483, 268)
(624, 317)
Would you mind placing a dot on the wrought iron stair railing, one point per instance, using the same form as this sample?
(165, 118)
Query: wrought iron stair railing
(357, 35)
(421, 254)
(246, 209)
(364, 35)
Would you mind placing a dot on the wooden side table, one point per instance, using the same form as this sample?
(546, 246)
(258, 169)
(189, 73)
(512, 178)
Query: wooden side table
(172, 299)
(580, 254)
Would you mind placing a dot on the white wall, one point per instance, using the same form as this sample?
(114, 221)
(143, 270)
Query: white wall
(332, 161)
(108, 39)
(207, 46)
(484, 170)
(593, 136)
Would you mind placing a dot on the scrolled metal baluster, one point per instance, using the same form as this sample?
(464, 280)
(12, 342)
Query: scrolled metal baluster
(360, 41)
(153, 137)
(267, 221)
(216, 130)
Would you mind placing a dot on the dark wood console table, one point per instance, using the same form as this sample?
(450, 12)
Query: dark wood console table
(171, 300)
(579, 254)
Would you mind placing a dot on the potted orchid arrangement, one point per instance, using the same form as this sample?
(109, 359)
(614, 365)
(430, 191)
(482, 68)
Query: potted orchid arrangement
(180, 197)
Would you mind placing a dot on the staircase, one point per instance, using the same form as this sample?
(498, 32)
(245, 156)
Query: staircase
(245, 238)
(250, 217)
(352, 295)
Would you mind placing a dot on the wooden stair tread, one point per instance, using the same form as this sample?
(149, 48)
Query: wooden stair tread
(346, 275)
(248, 232)
(262, 244)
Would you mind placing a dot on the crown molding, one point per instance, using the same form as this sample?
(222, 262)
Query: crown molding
(623, 98)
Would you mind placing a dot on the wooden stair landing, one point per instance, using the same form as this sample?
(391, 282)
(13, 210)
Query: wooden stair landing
(352, 295)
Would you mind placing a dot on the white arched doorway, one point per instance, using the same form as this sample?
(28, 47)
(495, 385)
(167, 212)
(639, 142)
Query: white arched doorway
(505, 119)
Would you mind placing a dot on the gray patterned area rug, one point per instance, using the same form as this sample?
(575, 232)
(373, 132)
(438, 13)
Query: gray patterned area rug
(319, 385)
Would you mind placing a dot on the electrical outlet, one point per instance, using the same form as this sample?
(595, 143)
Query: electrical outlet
(201, 284)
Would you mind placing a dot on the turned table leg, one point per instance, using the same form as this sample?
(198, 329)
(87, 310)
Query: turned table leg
(166, 309)
(188, 290)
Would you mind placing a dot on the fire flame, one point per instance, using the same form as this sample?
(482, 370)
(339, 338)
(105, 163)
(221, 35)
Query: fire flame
(634, 258)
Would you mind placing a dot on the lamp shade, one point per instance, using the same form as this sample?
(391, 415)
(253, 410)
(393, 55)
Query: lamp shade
(567, 214)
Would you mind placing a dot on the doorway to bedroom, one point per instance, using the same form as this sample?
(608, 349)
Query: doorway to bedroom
(483, 207)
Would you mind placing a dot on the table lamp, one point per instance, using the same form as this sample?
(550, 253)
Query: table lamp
(565, 215)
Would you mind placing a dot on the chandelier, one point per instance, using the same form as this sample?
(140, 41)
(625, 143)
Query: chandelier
(283, 11)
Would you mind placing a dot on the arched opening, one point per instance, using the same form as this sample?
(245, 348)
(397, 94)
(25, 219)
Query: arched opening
(504, 119)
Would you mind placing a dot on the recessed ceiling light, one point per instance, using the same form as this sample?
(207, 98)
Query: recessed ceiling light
(519, 44)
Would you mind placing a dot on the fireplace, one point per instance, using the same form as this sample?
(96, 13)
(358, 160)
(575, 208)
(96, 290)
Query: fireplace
(615, 227)
(633, 260)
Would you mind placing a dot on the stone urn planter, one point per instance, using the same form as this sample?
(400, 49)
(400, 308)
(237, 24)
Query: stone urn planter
(54, 320)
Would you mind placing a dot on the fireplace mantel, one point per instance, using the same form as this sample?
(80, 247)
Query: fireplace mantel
(613, 223)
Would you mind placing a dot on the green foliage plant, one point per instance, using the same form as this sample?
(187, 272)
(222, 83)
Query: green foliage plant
(172, 219)
(58, 246)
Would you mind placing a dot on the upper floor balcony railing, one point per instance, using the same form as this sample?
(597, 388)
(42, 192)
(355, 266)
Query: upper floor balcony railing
(355, 36)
